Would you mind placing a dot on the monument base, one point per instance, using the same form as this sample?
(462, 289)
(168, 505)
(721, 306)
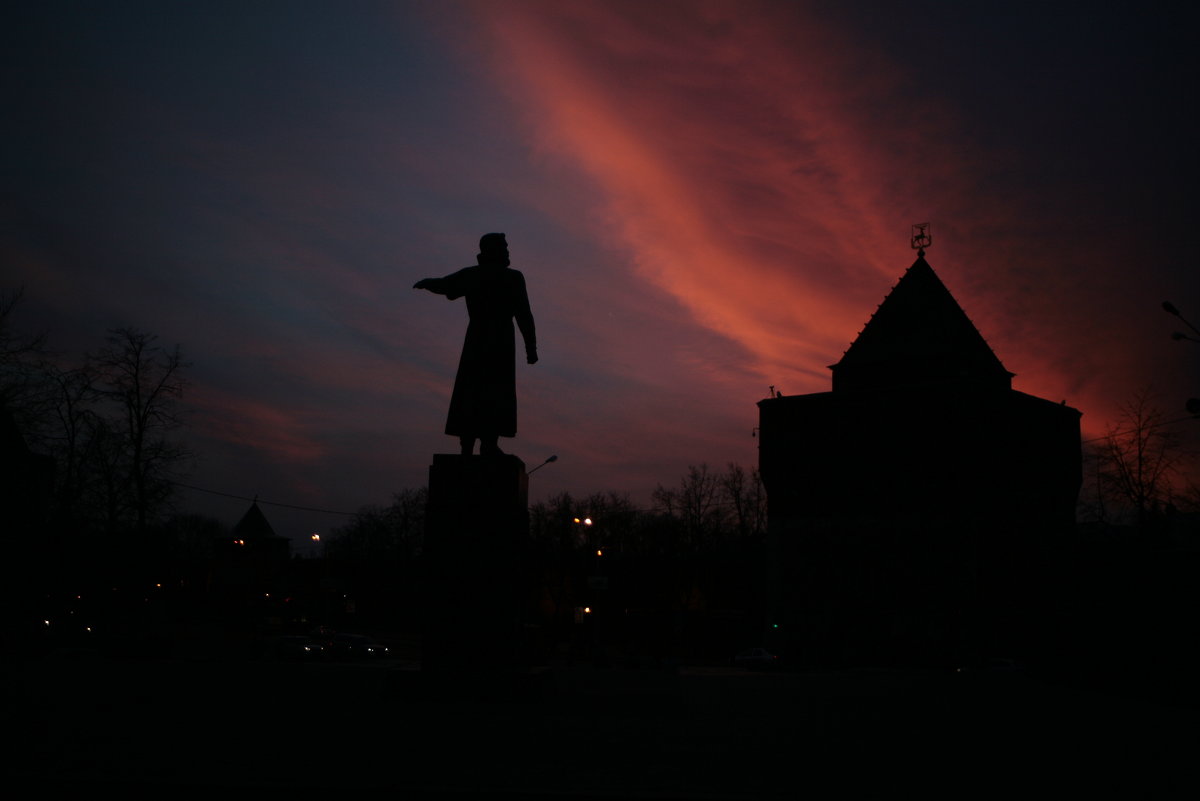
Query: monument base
(476, 528)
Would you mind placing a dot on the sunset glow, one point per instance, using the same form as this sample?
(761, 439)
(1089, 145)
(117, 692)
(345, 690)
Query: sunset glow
(707, 199)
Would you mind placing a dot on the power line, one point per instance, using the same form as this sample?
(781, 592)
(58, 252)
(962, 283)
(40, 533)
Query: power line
(256, 499)
(267, 503)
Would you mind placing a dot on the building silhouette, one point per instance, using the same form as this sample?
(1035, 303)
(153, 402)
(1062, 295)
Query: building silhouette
(251, 558)
(911, 505)
(254, 540)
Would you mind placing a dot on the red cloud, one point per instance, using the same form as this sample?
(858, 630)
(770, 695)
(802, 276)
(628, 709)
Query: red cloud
(731, 160)
(281, 433)
(762, 168)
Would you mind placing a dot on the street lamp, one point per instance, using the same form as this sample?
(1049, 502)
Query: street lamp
(1193, 404)
(1169, 308)
(549, 459)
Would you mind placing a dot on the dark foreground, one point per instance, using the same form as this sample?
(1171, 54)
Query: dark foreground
(85, 722)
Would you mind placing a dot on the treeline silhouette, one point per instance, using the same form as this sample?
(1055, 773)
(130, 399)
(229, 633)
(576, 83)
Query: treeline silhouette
(90, 454)
(707, 512)
(683, 577)
(1142, 472)
(107, 420)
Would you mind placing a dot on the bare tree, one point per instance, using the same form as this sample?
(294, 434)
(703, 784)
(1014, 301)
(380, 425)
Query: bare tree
(1140, 458)
(715, 508)
(566, 524)
(20, 359)
(384, 534)
(550, 524)
(72, 438)
(746, 499)
(142, 384)
(697, 505)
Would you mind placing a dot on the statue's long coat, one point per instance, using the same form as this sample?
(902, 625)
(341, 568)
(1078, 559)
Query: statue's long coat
(485, 390)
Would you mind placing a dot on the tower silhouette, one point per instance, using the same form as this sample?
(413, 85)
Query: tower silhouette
(909, 504)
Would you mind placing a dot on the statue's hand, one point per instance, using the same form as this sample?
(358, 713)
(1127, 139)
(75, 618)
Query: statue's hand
(423, 283)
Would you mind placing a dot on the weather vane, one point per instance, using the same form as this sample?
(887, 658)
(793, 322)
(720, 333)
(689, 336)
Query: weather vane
(921, 238)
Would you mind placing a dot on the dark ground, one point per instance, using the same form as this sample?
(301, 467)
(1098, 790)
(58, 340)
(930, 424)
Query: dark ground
(85, 721)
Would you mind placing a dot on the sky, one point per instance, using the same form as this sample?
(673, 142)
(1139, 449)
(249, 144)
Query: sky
(707, 199)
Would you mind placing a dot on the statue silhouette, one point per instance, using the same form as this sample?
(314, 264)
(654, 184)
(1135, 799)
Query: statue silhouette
(484, 403)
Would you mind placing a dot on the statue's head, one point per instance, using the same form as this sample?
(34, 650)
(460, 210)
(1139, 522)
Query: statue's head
(493, 249)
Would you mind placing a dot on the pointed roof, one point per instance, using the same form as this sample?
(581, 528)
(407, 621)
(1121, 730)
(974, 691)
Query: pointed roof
(918, 335)
(254, 525)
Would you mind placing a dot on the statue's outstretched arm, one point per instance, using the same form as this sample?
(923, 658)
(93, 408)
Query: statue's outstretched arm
(453, 286)
(435, 285)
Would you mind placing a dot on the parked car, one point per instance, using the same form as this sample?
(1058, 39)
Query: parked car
(756, 659)
(355, 646)
(295, 647)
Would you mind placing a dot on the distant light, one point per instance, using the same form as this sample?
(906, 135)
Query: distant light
(316, 537)
(47, 622)
(599, 552)
(587, 610)
(587, 521)
(577, 520)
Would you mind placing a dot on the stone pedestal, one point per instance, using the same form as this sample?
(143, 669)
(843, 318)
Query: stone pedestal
(476, 528)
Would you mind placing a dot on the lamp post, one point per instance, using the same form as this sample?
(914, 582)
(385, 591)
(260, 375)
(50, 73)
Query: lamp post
(1169, 308)
(1193, 404)
(549, 459)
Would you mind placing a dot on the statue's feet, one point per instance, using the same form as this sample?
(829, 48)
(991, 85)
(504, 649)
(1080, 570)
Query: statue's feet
(489, 448)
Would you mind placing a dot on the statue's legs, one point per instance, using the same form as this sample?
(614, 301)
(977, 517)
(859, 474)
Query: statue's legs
(487, 445)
